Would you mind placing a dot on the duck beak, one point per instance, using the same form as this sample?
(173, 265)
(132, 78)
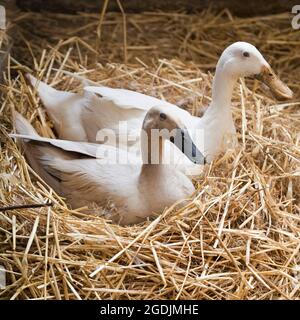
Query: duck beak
(185, 144)
(280, 90)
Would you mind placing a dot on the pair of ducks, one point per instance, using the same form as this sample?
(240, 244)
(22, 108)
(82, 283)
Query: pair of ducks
(132, 192)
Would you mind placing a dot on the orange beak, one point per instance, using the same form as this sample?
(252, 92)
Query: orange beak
(280, 90)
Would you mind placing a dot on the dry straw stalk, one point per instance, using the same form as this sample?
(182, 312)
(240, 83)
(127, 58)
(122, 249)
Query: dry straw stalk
(237, 238)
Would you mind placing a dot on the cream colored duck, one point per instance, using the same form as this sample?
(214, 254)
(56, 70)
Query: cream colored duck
(80, 117)
(135, 191)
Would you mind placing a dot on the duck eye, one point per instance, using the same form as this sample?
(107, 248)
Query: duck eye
(246, 54)
(162, 116)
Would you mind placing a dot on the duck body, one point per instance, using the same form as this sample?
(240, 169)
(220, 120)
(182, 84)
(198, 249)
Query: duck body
(79, 117)
(129, 192)
(123, 190)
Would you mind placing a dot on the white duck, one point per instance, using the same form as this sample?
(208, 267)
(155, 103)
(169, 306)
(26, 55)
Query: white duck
(80, 117)
(134, 190)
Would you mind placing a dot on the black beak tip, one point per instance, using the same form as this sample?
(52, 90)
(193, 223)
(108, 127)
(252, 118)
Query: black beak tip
(202, 162)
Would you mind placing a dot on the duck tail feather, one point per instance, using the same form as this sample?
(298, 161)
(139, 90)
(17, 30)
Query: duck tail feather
(23, 126)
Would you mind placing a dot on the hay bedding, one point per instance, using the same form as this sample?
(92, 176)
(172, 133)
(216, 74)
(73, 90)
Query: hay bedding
(239, 236)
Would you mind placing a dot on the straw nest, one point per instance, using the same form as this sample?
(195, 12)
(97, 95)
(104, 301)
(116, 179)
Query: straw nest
(238, 238)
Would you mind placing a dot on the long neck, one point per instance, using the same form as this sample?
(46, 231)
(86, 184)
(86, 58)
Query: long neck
(152, 153)
(222, 89)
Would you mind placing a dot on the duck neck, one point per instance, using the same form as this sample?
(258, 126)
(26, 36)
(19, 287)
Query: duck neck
(222, 89)
(152, 152)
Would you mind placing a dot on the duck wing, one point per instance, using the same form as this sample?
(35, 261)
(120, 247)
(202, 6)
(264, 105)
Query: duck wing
(127, 99)
(120, 109)
(38, 148)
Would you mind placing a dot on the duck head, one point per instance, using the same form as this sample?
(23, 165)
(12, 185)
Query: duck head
(161, 123)
(242, 59)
